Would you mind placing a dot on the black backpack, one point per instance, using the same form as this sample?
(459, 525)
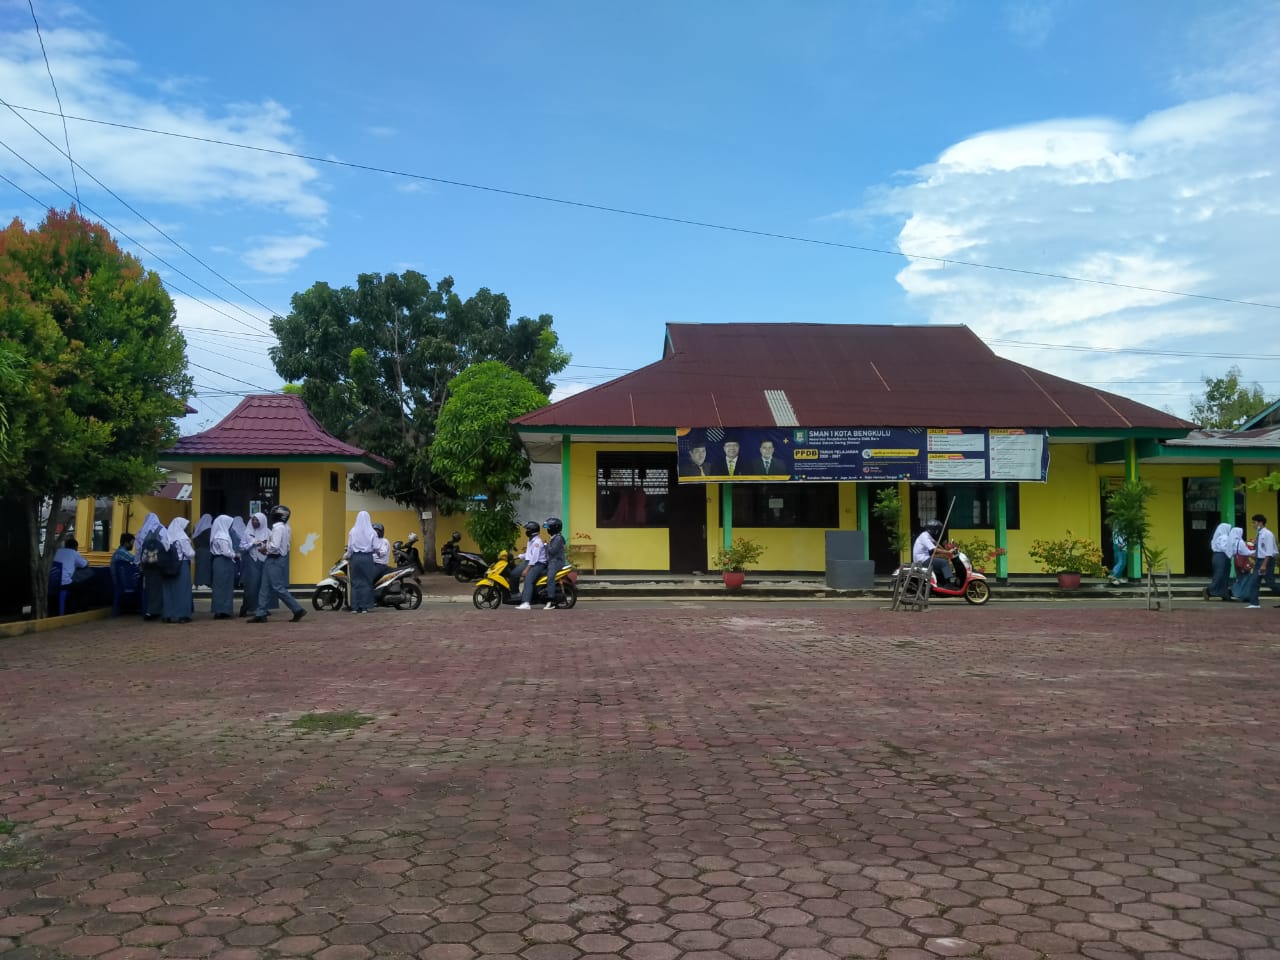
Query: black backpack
(170, 564)
(151, 549)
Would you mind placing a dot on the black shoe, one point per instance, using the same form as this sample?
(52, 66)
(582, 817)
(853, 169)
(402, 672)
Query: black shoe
(222, 616)
(184, 619)
(298, 616)
(256, 620)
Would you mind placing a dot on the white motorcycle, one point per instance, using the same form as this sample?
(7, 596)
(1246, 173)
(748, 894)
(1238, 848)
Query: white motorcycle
(398, 589)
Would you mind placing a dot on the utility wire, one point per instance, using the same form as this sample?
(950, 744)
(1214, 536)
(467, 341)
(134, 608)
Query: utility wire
(684, 221)
(134, 210)
(65, 135)
(120, 232)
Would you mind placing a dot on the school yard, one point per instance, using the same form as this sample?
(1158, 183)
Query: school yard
(647, 780)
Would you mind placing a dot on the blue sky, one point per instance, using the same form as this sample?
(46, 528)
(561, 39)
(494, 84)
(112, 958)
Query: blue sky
(1132, 142)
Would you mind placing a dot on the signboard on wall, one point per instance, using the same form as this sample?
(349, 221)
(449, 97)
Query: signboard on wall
(778, 454)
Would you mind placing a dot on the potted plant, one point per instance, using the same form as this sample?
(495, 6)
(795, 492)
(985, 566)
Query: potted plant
(979, 552)
(734, 559)
(1069, 557)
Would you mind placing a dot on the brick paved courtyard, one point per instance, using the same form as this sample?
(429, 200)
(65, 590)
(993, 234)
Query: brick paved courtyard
(651, 781)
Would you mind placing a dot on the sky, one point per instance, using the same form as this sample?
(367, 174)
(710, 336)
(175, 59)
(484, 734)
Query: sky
(833, 161)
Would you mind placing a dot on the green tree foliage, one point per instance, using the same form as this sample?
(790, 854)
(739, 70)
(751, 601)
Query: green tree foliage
(887, 508)
(1227, 402)
(374, 364)
(477, 451)
(99, 373)
(1126, 512)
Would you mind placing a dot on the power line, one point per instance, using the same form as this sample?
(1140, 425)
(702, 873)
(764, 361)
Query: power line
(121, 233)
(65, 135)
(684, 221)
(134, 210)
(1139, 351)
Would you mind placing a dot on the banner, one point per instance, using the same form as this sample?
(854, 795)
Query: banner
(775, 455)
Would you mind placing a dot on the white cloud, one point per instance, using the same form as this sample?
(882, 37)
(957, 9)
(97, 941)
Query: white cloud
(97, 80)
(1185, 199)
(280, 254)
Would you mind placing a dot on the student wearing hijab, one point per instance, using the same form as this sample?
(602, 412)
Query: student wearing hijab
(200, 541)
(222, 561)
(361, 541)
(1220, 585)
(237, 534)
(251, 560)
(179, 603)
(1239, 551)
(150, 539)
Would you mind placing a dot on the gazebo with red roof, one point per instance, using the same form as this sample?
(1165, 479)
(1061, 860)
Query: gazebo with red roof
(271, 450)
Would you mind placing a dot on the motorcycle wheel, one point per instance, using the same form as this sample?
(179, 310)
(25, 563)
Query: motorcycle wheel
(462, 577)
(569, 597)
(327, 598)
(412, 595)
(487, 597)
(977, 592)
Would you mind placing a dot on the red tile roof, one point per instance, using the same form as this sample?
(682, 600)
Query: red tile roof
(275, 425)
(842, 375)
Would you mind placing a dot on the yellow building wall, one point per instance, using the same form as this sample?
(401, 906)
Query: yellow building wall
(126, 515)
(648, 548)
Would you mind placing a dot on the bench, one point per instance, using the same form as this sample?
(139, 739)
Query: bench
(588, 549)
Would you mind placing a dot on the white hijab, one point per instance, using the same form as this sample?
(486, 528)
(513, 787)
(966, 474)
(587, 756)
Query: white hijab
(1236, 544)
(362, 537)
(177, 535)
(220, 537)
(149, 526)
(1221, 538)
(254, 536)
(203, 524)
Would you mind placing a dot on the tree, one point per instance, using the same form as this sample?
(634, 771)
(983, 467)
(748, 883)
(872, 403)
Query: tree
(374, 364)
(476, 449)
(102, 374)
(1227, 402)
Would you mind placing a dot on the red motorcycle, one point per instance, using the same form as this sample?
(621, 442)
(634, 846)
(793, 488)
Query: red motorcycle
(970, 584)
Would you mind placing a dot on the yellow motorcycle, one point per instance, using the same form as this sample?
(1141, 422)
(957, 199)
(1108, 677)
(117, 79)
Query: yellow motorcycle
(494, 588)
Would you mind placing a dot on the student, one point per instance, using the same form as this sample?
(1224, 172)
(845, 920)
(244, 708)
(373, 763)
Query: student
(381, 553)
(179, 601)
(222, 566)
(125, 578)
(1120, 551)
(361, 539)
(556, 558)
(1265, 548)
(535, 564)
(203, 574)
(274, 582)
(72, 563)
(251, 560)
(150, 541)
(1219, 585)
(926, 549)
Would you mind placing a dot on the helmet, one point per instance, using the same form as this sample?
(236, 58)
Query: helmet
(934, 527)
(553, 525)
(379, 529)
(280, 514)
(532, 528)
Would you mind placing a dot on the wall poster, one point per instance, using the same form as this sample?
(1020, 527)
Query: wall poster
(776, 454)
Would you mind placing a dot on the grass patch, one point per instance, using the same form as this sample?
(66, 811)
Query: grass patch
(332, 721)
(7, 827)
(14, 856)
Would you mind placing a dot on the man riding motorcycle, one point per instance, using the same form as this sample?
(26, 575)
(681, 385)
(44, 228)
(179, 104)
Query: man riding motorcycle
(926, 548)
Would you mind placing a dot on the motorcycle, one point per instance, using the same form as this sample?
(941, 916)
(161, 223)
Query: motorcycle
(971, 585)
(494, 588)
(462, 566)
(406, 553)
(398, 589)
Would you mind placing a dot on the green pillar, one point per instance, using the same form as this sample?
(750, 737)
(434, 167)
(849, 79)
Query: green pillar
(564, 485)
(864, 518)
(1131, 476)
(726, 514)
(1227, 491)
(1002, 532)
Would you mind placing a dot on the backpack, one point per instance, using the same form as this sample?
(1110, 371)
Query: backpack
(169, 562)
(150, 556)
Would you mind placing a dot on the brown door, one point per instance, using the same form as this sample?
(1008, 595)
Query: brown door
(688, 527)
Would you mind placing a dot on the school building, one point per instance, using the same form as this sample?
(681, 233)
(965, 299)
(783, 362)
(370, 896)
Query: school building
(844, 411)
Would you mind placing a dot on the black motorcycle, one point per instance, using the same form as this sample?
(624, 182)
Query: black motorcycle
(463, 566)
(406, 553)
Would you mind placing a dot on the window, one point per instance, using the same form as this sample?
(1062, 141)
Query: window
(632, 489)
(975, 505)
(102, 523)
(786, 505)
